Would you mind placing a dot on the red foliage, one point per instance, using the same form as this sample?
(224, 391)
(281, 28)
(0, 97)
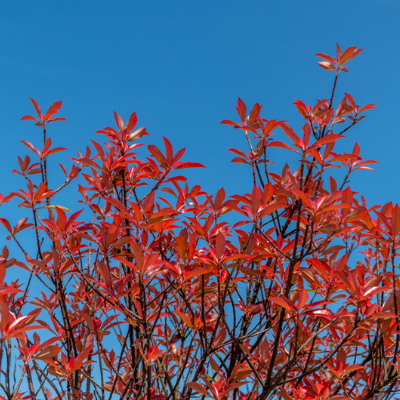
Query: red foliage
(148, 293)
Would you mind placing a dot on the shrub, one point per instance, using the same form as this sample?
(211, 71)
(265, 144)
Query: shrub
(148, 292)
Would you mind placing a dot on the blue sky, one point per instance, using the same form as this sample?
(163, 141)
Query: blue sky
(181, 65)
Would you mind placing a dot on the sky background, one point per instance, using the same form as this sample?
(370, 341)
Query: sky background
(181, 65)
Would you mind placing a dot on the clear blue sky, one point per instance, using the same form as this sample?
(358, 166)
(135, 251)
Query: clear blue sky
(181, 66)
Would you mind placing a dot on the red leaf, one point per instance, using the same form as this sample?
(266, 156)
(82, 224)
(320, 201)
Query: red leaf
(119, 121)
(220, 245)
(180, 165)
(169, 150)
(198, 388)
(157, 154)
(132, 121)
(37, 108)
(331, 138)
(254, 113)
(325, 57)
(349, 54)
(281, 145)
(239, 160)
(326, 65)
(28, 118)
(351, 100)
(291, 133)
(184, 318)
(29, 146)
(282, 302)
(137, 134)
(367, 107)
(395, 222)
(52, 110)
(242, 110)
(338, 53)
(228, 122)
(48, 352)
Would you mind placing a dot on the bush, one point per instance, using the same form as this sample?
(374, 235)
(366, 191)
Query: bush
(149, 293)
